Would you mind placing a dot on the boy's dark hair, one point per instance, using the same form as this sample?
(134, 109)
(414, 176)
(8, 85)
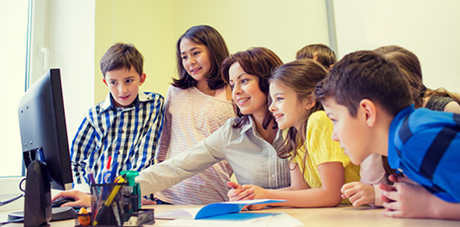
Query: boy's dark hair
(211, 38)
(325, 55)
(122, 55)
(366, 75)
(257, 61)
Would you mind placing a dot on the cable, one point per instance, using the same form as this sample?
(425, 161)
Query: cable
(20, 184)
(11, 200)
(16, 197)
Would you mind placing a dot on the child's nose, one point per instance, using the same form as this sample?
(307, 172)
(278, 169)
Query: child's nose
(122, 88)
(271, 108)
(191, 60)
(334, 136)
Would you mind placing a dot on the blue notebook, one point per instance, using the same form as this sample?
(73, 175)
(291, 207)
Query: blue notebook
(213, 209)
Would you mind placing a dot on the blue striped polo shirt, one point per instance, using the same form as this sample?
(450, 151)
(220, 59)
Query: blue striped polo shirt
(425, 146)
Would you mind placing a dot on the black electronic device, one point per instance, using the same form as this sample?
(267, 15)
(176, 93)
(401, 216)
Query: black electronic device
(60, 201)
(44, 145)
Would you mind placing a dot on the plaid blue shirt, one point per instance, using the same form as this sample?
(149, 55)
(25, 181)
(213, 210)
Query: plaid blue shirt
(129, 135)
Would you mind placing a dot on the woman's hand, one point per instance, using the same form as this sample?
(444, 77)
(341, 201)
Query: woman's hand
(239, 192)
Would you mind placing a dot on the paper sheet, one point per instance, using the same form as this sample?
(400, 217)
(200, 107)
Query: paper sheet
(272, 220)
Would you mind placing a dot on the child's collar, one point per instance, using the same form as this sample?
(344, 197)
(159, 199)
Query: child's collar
(108, 102)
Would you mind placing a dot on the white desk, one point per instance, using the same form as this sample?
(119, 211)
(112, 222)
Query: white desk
(342, 216)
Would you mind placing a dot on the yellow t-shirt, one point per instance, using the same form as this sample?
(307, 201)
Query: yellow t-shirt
(321, 149)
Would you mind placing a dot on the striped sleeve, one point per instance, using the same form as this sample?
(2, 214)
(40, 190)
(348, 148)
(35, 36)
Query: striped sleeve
(154, 127)
(82, 146)
(165, 138)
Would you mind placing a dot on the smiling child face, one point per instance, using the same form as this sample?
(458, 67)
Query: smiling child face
(287, 109)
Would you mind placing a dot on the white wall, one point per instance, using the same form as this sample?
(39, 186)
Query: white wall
(428, 28)
(71, 45)
(66, 30)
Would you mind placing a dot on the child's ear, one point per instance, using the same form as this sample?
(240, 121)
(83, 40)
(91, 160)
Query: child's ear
(311, 101)
(369, 111)
(142, 80)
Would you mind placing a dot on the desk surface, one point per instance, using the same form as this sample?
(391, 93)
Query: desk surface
(342, 216)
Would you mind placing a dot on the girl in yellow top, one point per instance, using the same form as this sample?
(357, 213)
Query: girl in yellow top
(318, 166)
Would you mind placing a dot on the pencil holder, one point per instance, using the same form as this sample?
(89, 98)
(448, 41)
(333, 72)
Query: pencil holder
(115, 204)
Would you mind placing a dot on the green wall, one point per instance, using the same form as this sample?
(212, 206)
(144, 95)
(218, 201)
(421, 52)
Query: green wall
(154, 26)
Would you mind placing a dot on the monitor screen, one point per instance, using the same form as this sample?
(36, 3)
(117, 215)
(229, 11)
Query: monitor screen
(44, 141)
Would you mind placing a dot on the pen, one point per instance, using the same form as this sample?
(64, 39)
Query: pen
(107, 178)
(114, 168)
(91, 179)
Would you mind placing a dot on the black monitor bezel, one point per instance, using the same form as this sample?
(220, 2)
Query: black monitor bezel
(45, 128)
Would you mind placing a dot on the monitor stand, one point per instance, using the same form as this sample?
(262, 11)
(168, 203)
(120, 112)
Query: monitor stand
(37, 203)
(58, 214)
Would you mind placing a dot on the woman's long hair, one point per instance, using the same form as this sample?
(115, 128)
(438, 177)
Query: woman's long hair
(257, 61)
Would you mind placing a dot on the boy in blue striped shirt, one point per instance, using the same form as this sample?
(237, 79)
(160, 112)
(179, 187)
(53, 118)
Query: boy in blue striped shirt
(120, 133)
(369, 101)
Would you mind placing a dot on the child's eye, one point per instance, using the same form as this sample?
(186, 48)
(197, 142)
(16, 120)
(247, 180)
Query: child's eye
(232, 86)
(184, 57)
(129, 81)
(196, 52)
(243, 81)
(112, 82)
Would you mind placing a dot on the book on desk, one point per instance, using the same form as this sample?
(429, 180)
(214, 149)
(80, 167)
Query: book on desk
(214, 210)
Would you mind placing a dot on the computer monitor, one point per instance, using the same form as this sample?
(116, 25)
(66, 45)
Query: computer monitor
(44, 145)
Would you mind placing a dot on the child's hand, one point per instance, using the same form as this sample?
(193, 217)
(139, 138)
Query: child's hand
(259, 193)
(145, 201)
(358, 193)
(398, 178)
(81, 199)
(238, 192)
(388, 188)
(406, 200)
